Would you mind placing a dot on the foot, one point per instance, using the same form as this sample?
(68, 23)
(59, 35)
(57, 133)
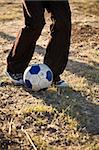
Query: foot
(16, 78)
(61, 84)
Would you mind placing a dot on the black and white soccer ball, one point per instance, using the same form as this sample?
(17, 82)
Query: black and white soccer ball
(37, 77)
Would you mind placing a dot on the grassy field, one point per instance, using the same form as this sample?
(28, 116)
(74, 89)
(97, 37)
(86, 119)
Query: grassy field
(53, 122)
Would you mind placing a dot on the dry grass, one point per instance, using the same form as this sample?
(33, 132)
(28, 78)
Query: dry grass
(69, 121)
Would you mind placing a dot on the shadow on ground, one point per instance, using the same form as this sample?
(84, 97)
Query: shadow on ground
(76, 106)
(84, 70)
(7, 36)
(72, 103)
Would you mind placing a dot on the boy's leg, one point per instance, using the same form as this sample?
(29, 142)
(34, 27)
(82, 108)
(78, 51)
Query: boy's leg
(58, 48)
(23, 48)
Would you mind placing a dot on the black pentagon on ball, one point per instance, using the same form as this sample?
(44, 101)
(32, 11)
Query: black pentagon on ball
(35, 69)
(28, 84)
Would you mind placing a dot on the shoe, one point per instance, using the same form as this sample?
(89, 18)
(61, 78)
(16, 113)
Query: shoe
(16, 78)
(61, 84)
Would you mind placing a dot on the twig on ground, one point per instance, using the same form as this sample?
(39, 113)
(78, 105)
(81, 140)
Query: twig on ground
(28, 137)
(10, 126)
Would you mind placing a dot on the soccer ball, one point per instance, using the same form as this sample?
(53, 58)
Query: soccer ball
(37, 77)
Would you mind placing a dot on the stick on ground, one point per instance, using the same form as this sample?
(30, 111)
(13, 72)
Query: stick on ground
(28, 137)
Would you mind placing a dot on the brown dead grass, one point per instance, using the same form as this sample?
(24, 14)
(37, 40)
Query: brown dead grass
(69, 121)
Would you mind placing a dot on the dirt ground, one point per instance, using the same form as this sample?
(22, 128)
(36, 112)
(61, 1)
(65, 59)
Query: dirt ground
(44, 120)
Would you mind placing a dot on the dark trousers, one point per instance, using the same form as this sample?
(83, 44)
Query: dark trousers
(57, 51)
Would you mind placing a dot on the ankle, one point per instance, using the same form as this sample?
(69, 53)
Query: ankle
(56, 79)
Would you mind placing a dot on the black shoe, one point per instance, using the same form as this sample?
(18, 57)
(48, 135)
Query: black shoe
(16, 78)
